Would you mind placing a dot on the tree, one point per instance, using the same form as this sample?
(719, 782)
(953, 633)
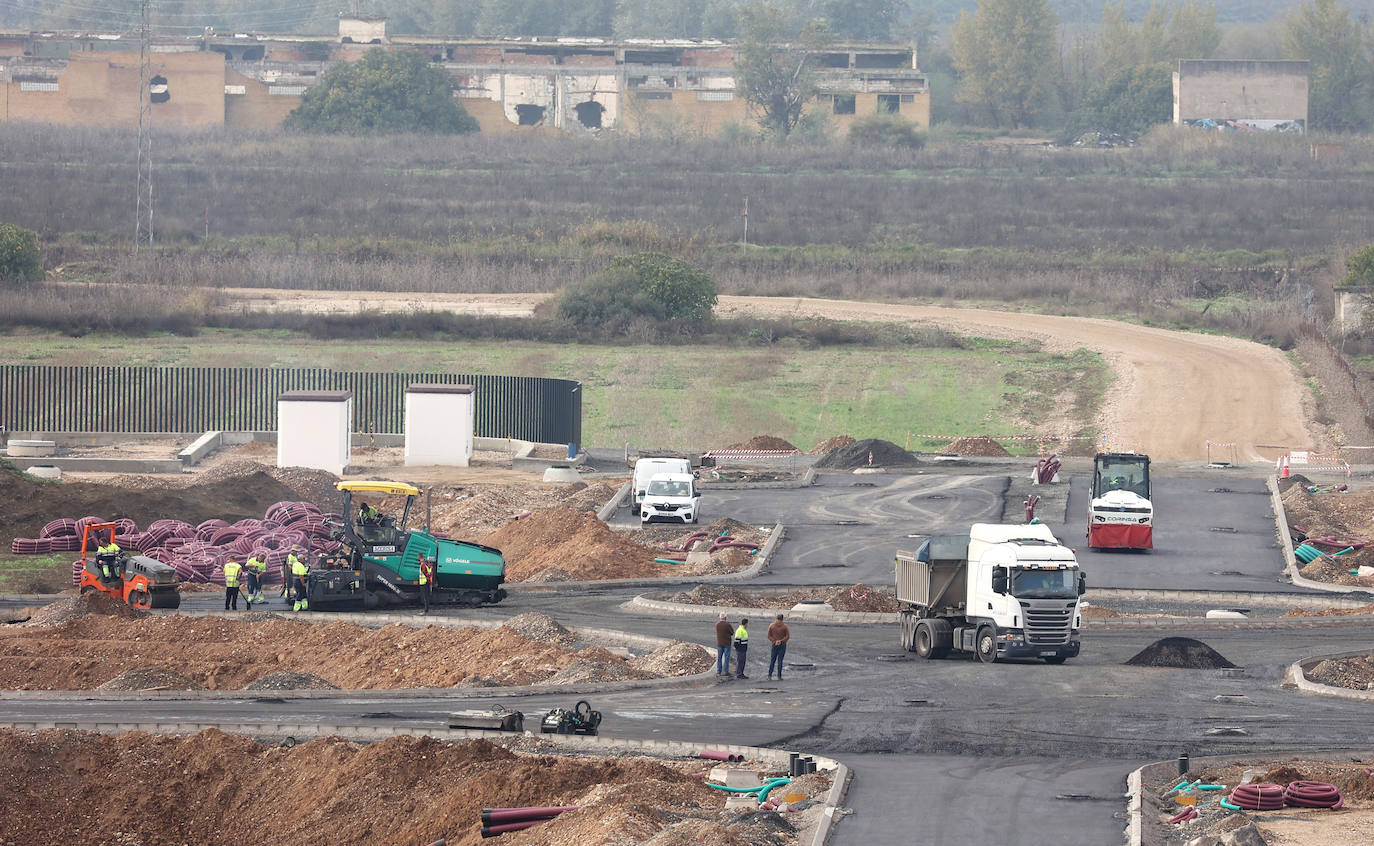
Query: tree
(1338, 80)
(1360, 267)
(1005, 53)
(777, 76)
(385, 91)
(644, 285)
(20, 259)
(866, 20)
(1133, 100)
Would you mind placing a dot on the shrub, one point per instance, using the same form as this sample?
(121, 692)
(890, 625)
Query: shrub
(643, 286)
(1360, 267)
(886, 131)
(20, 260)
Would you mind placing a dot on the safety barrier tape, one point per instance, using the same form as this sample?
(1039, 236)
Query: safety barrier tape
(748, 453)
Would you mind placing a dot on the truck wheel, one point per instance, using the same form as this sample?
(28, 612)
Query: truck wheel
(908, 634)
(925, 646)
(986, 644)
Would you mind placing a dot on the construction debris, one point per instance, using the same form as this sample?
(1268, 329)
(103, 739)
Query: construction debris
(868, 452)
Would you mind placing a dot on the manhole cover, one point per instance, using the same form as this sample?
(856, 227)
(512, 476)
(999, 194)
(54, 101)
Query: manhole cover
(863, 485)
(1232, 698)
(378, 715)
(802, 667)
(937, 496)
(1227, 573)
(1226, 529)
(916, 703)
(838, 564)
(1226, 731)
(1218, 490)
(846, 522)
(892, 657)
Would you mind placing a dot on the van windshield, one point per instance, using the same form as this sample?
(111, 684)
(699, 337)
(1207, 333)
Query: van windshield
(660, 487)
(1044, 584)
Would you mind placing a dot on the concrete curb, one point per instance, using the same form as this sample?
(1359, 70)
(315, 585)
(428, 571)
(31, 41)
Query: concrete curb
(824, 824)
(608, 510)
(1134, 803)
(1290, 560)
(1296, 674)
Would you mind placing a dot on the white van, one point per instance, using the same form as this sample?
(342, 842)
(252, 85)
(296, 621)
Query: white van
(647, 468)
(671, 497)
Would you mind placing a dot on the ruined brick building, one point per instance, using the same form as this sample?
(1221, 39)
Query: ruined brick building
(508, 85)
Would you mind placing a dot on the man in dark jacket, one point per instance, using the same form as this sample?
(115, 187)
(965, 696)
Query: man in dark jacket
(724, 633)
(778, 635)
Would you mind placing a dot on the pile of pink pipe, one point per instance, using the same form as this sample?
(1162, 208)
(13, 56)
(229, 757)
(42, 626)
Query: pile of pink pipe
(499, 821)
(720, 542)
(198, 553)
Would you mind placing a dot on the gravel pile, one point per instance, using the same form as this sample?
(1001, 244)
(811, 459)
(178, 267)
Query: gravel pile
(764, 442)
(69, 609)
(982, 447)
(290, 681)
(832, 443)
(539, 627)
(150, 678)
(675, 659)
(885, 454)
(1355, 673)
(1180, 652)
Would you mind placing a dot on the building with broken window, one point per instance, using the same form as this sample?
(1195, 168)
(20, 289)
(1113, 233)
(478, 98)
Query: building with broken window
(507, 85)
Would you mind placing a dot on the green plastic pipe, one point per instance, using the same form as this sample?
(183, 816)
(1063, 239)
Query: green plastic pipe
(668, 561)
(765, 787)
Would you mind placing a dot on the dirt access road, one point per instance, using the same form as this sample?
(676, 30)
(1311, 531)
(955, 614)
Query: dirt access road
(1174, 391)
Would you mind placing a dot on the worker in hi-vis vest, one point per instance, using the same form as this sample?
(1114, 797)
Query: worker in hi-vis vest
(298, 571)
(231, 584)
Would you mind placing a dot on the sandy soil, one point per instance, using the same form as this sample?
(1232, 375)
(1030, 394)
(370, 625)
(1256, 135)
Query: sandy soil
(214, 788)
(1174, 390)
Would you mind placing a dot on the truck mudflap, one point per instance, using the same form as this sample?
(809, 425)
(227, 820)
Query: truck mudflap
(1120, 536)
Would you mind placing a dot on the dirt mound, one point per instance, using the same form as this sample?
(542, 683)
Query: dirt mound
(1358, 785)
(1356, 673)
(150, 678)
(1329, 612)
(981, 446)
(573, 541)
(324, 791)
(226, 654)
(1181, 652)
(675, 659)
(1282, 774)
(30, 504)
(70, 608)
(764, 442)
(884, 454)
(1098, 612)
(832, 443)
(475, 511)
(862, 597)
(539, 627)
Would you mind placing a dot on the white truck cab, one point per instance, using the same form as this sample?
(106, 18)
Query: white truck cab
(671, 497)
(1000, 591)
(647, 468)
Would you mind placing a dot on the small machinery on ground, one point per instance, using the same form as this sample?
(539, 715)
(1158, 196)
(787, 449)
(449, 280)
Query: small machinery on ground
(1120, 512)
(580, 720)
(137, 580)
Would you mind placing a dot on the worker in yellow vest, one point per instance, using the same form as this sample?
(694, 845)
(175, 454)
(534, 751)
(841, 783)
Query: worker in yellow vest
(254, 571)
(426, 579)
(108, 556)
(232, 569)
(298, 571)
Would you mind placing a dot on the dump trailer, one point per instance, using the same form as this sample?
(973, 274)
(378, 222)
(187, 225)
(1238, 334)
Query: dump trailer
(379, 564)
(1000, 591)
(1120, 511)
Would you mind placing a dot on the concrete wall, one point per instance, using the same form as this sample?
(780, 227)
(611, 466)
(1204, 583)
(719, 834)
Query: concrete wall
(1354, 308)
(101, 89)
(1243, 94)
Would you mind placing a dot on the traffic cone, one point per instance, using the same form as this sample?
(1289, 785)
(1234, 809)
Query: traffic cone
(1284, 474)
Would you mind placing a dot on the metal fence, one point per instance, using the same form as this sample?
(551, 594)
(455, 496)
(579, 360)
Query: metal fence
(196, 399)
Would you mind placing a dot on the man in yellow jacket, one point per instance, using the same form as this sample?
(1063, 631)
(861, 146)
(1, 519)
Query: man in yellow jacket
(253, 573)
(232, 569)
(741, 645)
(298, 571)
(108, 556)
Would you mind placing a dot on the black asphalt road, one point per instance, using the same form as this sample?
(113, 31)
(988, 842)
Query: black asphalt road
(944, 751)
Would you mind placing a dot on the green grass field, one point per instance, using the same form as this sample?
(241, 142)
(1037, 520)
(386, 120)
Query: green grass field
(36, 573)
(688, 397)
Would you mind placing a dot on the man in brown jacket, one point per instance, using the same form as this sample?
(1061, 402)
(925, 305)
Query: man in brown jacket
(778, 635)
(724, 632)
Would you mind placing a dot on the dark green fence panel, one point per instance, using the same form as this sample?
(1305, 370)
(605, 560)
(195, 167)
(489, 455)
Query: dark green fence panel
(195, 399)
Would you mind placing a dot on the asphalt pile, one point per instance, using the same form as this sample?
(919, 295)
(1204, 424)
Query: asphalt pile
(150, 678)
(86, 650)
(228, 787)
(855, 455)
(1179, 652)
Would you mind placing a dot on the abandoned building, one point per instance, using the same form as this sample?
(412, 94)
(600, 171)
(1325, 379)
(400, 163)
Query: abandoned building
(507, 85)
(1241, 94)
